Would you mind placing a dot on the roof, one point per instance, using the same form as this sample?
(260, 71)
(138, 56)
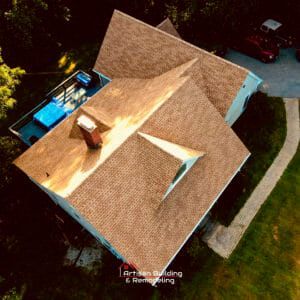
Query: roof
(272, 24)
(168, 27)
(134, 49)
(180, 152)
(119, 188)
(149, 126)
(124, 104)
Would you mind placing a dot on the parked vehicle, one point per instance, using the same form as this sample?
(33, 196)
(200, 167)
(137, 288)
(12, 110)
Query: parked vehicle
(260, 48)
(276, 31)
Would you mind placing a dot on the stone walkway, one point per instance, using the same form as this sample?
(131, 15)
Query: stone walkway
(223, 240)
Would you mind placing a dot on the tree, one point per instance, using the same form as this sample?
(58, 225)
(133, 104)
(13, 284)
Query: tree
(22, 19)
(9, 150)
(9, 79)
(31, 30)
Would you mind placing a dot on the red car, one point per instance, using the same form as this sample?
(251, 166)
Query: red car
(260, 48)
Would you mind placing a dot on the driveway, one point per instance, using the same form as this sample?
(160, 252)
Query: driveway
(281, 78)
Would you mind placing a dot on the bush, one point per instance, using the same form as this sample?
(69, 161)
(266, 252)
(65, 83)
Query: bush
(9, 150)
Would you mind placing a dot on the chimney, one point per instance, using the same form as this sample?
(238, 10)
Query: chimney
(89, 131)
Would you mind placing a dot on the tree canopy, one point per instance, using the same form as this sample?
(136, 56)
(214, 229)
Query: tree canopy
(32, 32)
(9, 79)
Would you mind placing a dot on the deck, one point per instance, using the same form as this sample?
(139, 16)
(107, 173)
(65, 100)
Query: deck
(66, 97)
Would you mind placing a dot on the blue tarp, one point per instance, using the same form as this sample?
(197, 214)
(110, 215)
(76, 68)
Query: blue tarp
(50, 115)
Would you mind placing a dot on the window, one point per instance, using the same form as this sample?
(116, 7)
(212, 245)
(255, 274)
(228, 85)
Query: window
(179, 173)
(246, 102)
(184, 168)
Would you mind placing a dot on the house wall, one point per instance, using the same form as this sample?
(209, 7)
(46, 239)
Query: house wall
(249, 87)
(66, 206)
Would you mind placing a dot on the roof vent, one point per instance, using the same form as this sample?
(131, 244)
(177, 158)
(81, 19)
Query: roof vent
(89, 131)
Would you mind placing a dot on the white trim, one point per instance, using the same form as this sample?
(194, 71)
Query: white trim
(186, 239)
(253, 75)
(101, 74)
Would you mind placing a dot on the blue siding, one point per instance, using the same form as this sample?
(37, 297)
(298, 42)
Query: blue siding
(249, 87)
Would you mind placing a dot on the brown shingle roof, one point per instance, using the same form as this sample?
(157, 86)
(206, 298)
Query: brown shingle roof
(132, 48)
(168, 27)
(123, 198)
(180, 152)
(124, 104)
(119, 188)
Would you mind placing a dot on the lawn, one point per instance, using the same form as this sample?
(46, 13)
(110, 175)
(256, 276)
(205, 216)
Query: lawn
(262, 129)
(266, 262)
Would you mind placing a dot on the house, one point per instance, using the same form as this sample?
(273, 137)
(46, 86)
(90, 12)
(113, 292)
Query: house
(141, 162)
(133, 49)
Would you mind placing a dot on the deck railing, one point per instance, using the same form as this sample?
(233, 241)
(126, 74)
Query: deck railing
(54, 92)
(61, 91)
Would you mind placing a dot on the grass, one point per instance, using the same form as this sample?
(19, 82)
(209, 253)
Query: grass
(262, 129)
(266, 262)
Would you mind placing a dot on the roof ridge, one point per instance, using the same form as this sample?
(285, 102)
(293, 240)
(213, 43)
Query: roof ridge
(181, 82)
(185, 67)
(182, 69)
(167, 26)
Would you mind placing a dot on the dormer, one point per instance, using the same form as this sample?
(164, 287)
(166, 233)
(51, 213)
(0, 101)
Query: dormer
(187, 156)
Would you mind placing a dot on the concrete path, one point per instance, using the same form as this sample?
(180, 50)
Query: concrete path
(281, 78)
(223, 240)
